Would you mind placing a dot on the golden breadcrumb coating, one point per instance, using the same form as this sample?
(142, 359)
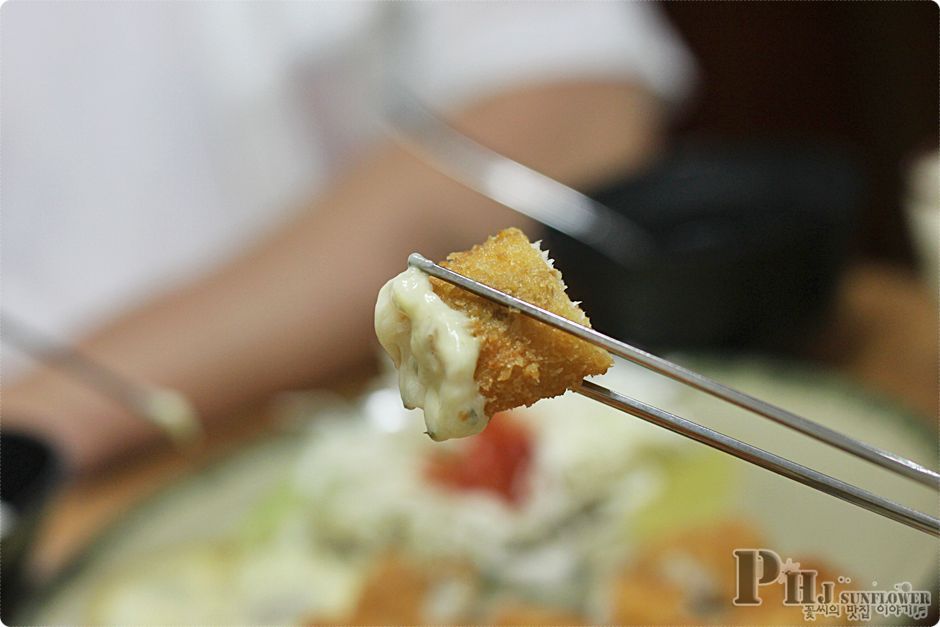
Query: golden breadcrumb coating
(521, 360)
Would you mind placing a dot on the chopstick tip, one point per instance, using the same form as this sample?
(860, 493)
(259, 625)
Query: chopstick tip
(417, 260)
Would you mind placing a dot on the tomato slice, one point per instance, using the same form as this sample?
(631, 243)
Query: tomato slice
(497, 461)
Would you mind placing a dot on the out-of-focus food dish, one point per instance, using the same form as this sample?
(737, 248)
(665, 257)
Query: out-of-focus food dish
(564, 513)
(462, 358)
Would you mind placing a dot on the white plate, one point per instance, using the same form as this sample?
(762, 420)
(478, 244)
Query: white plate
(797, 520)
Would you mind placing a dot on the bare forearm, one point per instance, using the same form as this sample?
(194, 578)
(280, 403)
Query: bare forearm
(299, 305)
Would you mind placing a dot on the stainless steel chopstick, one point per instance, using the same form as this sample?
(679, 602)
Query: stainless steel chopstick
(817, 431)
(764, 459)
(769, 461)
(427, 135)
(165, 408)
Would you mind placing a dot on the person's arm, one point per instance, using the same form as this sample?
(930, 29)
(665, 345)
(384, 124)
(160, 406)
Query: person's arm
(298, 306)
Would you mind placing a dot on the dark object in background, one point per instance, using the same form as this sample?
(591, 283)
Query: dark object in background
(29, 470)
(751, 241)
(862, 74)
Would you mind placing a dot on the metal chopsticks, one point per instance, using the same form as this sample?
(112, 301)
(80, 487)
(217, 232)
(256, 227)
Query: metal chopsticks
(424, 133)
(742, 450)
(167, 409)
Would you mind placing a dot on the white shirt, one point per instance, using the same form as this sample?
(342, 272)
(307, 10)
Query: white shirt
(145, 142)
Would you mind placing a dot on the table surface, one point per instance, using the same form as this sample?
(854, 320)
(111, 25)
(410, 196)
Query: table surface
(883, 333)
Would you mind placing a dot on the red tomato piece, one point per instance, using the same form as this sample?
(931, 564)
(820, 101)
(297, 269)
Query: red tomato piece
(497, 460)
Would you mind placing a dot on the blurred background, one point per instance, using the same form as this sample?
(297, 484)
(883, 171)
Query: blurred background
(184, 184)
(858, 75)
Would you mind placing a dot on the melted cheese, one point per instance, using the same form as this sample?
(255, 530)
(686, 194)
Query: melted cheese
(435, 353)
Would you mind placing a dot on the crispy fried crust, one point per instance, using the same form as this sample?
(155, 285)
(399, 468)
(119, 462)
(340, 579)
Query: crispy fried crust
(647, 592)
(521, 360)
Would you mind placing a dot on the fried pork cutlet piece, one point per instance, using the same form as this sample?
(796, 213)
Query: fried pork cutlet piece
(521, 360)
(462, 358)
(403, 591)
(688, 577)
(527, 615)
